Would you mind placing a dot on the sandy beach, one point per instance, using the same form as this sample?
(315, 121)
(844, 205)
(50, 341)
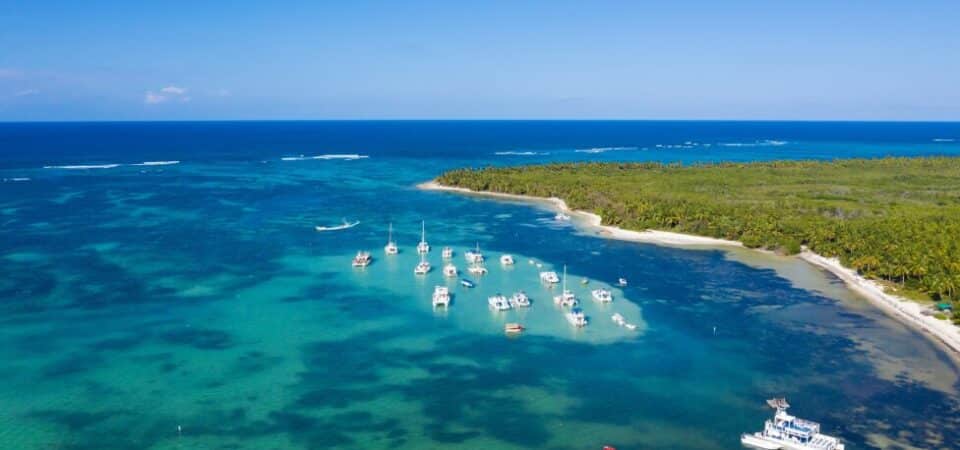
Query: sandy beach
(904, 310)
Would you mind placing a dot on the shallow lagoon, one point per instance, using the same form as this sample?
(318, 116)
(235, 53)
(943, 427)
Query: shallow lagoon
(142, 299)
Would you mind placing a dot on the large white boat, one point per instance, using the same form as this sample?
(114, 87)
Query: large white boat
(498, 303)
(447, 253)
(362, 259)
(422, 267)
(391, 247)
(474, 256)
(566, 297)
(477, 269)
(602, 295)
(549, 277)
(576, 318)
(450, 271)
(423, 246)
(506, 260)
(519, 300)
(441, 296)
(787, 432)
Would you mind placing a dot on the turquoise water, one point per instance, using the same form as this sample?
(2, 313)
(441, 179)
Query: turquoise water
(193, 305)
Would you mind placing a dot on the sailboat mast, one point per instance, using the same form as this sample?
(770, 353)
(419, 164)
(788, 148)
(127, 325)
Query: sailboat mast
(564, 279)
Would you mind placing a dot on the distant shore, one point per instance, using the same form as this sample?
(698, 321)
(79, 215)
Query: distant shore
(904, 310)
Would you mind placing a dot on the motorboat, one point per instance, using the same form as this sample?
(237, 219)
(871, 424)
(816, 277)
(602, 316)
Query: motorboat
(622, 282)
(549, 277)
(498, 303)
(343, 226)
(474, 256)
(467, 283)
(362, 259)
(576, 317)
(618, 319)
(602, 295)
(519, 300)
(450, 271)
(584, 281)
(447, 253)
(441, 296)
(506, 260)
(423, 246)
(391, 247)
(787, 432)
(566, 297)
(513, 328)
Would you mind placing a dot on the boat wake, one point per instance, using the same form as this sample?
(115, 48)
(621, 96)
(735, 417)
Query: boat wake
(110, 165)
(344, 226)
(944, 140)
(344, 156)
(156, 163)
(16, 179)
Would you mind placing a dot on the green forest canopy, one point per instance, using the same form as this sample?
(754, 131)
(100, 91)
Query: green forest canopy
(895, 219)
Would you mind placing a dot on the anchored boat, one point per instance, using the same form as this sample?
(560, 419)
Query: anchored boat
(787, 432)
(391, 247)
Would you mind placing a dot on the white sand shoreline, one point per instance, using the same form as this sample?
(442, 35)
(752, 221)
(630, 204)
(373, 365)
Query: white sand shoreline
(906, 311)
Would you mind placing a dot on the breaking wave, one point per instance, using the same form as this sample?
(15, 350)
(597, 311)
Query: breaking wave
(602, 149)
(84, 166)
(346, 156)
(521, 153)
(156, 163)
(944, 140)
(764, 143)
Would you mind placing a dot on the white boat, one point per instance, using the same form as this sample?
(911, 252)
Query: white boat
(441, 296)
(391, 247)
(362, 259)
(602, 295)
(474, 256)
(561, 217)
(506, 260)
(467, 283)
(549, 277)
(477, 269)
(423, 246)
(498, 303)
(519, 300)
(618, 319)
(450, 271)
(344, 226)
(513, 328)
(787, 432)
(630, 326)
(576, 318)
(566, 298)
(422, 267)
(447, 253)
(622, 282)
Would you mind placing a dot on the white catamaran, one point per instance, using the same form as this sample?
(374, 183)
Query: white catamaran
(391, 247)
(566, 298)
(786, 432)
(423, 246)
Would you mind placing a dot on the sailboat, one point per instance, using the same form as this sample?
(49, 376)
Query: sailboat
(423, 246)
(423, 267)
(391, 247)
(566, 298)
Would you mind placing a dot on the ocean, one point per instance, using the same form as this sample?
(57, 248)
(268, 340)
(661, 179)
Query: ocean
(164, 288)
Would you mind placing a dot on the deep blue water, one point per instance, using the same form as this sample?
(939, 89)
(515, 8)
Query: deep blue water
(140, 298)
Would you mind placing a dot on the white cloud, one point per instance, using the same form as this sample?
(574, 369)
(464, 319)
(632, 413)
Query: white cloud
(174, 90)
(152, 98)
(26, 92)
(165, 94)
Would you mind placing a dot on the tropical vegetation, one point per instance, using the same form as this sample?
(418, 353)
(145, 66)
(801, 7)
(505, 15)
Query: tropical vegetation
(891, 219)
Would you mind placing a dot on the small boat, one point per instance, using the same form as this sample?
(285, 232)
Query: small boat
(506, 260)
(498, 303)
(576, 318)
(566, 298)
(519, 300)
(584, 281)
(344, 226)
(450, 271)
(477, 269)
(474, 256)
(423, 246)
(622, 282)
(630, 326)
(513, 328)
(441, 296)
(530, 261)
(561, 217)
(447, 253)
(618, 319)
(423, 267)
(602, 295)
(788, 432)
(467, 283)
(549, 277)
(362, 259)
(391, 247)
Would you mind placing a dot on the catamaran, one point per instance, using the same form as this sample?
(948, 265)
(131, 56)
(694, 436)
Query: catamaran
(447, 253)
(477, 269)
(450, 271)
(423, 267)
(362, 259)
(566, 298)
(576, 318)
(602, 295)
(549, 277)
(506, 260)
(474, 256)
(787, 432)
(441, 296)
(423, 246)
(498, 303)
(391, 247)
(519, 300)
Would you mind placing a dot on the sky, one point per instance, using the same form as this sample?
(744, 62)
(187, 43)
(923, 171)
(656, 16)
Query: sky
(732, 59)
